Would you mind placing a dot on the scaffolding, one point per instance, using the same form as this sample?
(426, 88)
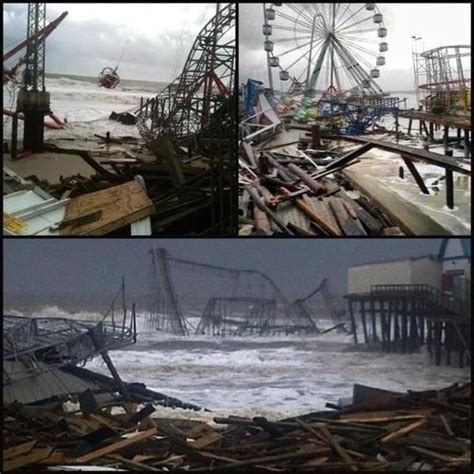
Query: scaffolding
(443, 79)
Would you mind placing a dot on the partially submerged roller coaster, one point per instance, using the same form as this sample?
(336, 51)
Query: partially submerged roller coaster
(188, 297)
(190, 109)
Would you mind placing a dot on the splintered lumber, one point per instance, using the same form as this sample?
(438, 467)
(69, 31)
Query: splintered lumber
(311, 212)
(340, 450)
(140, 436)
(346, 221)
(119, 206)
(260, 203)
(206, 440)
(405, 434)
(20, 449)
(34, 456)
(403, 431)
(279, 457)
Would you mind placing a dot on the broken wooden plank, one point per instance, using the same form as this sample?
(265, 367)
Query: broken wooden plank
(307, 207)
(346, 222)
(119, 206)
(34, 456)
(403, 431)
(278, 457)
(23, 448)
(135, 438)
(207, 440)
(340, 450)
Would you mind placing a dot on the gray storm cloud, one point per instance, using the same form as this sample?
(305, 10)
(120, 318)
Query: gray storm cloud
(84, 47)
(438, 24)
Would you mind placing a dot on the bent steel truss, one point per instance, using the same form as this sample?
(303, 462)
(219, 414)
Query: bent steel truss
(187, 105)
(45, 344)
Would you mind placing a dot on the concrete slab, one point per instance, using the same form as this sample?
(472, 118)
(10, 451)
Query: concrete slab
(376, 176)
(49, 166)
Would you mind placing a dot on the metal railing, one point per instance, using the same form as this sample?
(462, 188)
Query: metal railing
(433, 298)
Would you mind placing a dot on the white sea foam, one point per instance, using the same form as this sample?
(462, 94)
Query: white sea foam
(87, 107)
(270, 376)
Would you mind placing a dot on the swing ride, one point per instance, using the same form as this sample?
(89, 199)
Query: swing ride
(109, 77)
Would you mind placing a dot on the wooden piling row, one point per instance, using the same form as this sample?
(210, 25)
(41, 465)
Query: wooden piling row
(402, 324)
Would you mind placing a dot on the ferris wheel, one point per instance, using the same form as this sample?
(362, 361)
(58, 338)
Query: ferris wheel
(327, 48)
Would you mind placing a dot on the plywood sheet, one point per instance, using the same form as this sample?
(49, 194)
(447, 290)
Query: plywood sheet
(120, 205)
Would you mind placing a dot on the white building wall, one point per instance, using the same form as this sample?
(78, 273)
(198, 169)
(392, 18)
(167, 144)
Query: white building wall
(361, 278)
(426, 272)
(455, 265)
(404, 272)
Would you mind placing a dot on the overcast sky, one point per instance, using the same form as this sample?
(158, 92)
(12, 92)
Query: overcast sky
(93, 36)
(95, 266)
(439, 24)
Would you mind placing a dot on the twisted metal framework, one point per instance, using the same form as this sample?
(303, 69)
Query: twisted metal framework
(237, 317)
(443, 76)
(187, 106)
(45, 344)
(319, 305)
(223, 301)
(166, 312)
(35, 52)
(330, 48)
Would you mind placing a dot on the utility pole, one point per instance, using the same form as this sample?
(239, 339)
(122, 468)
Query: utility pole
(33, 100)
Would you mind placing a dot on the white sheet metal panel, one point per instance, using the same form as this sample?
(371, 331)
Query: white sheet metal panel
(40, 387)
(37, 209)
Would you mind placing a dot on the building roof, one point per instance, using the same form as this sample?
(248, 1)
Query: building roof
(393, 260)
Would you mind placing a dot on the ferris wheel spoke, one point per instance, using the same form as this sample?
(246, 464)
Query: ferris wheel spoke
(352, 66)
(346, 10)
(289, 28)
(294, 49)
(291, 40)
(316, 19)
(360, 48)
(353, 15)
(305, 54)
(313, 9)
(332, 46)
(359, 32)
(358, 56)
(301, 13)
(293, 20)
(364, 20)
(360, 61)
(373, 86)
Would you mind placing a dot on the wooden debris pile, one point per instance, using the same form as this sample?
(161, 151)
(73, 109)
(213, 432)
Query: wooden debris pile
(380, 431)
(188, 192)
(294, 186)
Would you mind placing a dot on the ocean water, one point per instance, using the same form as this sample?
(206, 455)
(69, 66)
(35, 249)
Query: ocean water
(87, 106)
(271, 376)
